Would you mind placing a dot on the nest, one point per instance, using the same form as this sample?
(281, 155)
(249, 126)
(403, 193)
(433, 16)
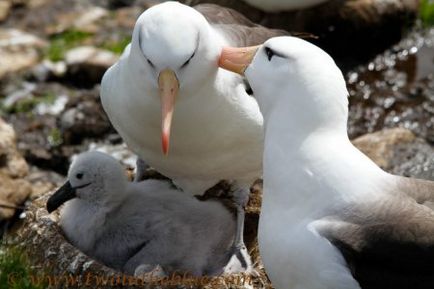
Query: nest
(61, 265)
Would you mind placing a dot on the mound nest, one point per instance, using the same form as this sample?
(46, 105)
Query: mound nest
(61, 265)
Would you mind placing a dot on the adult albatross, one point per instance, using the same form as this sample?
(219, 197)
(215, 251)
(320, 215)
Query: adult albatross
(332, 219)
(217, 127)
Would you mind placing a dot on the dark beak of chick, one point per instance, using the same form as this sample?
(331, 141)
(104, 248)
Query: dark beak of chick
(62, 195)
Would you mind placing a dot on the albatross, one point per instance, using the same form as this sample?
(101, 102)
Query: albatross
(332, 219)
(132, 225)
(169, 74)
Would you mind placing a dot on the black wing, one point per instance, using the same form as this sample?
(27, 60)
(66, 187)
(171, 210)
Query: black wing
(387, 246)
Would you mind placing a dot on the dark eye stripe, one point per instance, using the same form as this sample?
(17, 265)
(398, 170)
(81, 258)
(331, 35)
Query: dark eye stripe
(188, 61)
(150, 63)
(269, 52)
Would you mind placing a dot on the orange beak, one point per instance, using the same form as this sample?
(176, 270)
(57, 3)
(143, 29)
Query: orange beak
(168, 86)
(237, 59)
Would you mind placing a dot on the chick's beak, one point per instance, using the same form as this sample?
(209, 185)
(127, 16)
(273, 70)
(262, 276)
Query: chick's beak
(62, 195)
(168, 86)
(237, 59)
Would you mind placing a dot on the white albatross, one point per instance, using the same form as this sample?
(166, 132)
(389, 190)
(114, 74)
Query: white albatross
(217, 127)
(131, 225)
(332, 219)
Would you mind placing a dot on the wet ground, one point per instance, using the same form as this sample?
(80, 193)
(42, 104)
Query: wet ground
(395, 89)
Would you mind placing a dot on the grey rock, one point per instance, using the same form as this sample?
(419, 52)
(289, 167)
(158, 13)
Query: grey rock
(400, 152)
(87, 64)
(14, 190)
(18, 51)
(5, 7)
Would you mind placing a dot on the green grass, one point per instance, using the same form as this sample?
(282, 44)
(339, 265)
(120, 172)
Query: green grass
(117, 46)
(15, 270)
(55, 137)
(426, 12)
(62, 42)
(27, 104)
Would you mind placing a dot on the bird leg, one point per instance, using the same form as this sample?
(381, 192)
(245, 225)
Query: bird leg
(241, 197)
(141, 167)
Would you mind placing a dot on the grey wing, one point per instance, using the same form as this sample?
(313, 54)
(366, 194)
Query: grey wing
(391, 246)
(236, 28)
(216, 14)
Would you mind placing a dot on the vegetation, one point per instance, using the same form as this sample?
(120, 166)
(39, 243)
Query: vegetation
(15, 271)
(27, 104)
(62, 42)
(117, 46)
(426, 12)
(55, 137)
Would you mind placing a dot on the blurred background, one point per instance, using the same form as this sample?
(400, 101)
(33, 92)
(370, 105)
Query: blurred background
(53, 54)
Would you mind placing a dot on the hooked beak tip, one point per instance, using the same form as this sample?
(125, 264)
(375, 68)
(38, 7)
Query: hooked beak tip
(165, 143)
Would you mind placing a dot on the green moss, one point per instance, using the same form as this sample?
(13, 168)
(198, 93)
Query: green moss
(62, 42)
(117, 46)
(426, 12)
(26, 105)
(55, 137)
(16, 272)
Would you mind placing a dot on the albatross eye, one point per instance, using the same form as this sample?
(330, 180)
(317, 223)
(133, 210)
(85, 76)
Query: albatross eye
(79, 176)
(188, 60)
(270, 53)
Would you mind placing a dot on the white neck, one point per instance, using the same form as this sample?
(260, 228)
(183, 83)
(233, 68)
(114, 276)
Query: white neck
(320, 164)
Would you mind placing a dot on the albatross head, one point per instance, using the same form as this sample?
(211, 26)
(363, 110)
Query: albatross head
(174, 54)
(93, 177)
(293, 77)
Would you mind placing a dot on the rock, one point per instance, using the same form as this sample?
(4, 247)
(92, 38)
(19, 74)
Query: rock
(32, 4)
(12, 163)
(18, 50)
(87, 64)
(13, 193)
(86, 20)
(127, 16)
(84, 117)
(399, 151)
(395, 89)
(48, 69)
(119, 151)
(379, 146)
(14, 190)
(5, 7)
(43, 181)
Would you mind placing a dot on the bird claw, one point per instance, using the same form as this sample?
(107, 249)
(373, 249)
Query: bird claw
(240, 261)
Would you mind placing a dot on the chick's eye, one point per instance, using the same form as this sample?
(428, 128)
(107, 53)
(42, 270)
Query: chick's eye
(79, 176)
(270, 53)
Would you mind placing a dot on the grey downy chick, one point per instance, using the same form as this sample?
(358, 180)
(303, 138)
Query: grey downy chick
(125, 225)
